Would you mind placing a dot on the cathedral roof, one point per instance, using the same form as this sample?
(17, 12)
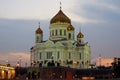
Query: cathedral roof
(60, 17)
(70, 28)
(80, 35)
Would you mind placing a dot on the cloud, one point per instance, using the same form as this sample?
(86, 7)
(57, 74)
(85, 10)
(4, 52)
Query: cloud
(81, 19)
(14, 57)
(109, 4)
(100, 19)
(31, 9)
(98, 11)
(102, 61)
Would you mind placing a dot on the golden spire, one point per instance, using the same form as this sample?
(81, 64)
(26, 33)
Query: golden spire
(79, 29)
(39, 24)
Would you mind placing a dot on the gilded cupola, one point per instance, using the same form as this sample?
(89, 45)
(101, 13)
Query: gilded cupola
(60, 17)
(39, 31)
(70, 28)
(80, 35)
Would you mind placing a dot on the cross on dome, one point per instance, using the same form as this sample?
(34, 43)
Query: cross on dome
(39, 31)
(60, 5)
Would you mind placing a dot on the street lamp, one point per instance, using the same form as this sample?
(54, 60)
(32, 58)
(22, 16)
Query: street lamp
(18, 64)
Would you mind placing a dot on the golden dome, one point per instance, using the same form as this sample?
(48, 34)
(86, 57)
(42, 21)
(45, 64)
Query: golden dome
(70, 28)
(60, 17)
(39, 31)
(80, 35)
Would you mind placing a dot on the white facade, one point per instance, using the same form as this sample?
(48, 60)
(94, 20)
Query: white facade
(61, 47)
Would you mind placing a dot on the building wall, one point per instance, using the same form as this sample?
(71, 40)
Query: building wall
(60, 29)
(66, 55)
(7, 72)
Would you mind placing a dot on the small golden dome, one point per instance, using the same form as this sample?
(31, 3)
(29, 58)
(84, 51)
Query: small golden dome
(39, 31)
(70, 28)
(80, 35)
(60, 17)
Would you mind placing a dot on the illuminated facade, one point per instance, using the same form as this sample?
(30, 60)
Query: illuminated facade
(6, 72)
(61, 48)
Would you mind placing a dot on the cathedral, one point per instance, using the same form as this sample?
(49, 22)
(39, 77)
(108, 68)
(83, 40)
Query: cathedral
(61, 49)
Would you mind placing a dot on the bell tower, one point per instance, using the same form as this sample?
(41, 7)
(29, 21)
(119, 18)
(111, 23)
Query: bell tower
(38, 35)
(70, 32)
(80, 37)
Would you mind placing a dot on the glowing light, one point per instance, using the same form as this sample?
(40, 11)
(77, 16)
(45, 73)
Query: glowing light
(2, 71)
(75, 62)
(5, 70)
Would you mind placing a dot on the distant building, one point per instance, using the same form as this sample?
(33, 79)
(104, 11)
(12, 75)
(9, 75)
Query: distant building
(61, 49)
(116, 67)
(6, 72)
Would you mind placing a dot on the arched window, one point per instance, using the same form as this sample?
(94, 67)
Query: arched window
(73, 36)
(58, 55)
(40, 55)
(64, 32)
(69, 36)
(52, 32)
(37, 38)
(49, 55)
(79, 41)
(80, 56)
(69, 55)
(56, 32)
(60, 31)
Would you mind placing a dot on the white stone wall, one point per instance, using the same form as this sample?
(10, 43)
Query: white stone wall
(66, 53)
